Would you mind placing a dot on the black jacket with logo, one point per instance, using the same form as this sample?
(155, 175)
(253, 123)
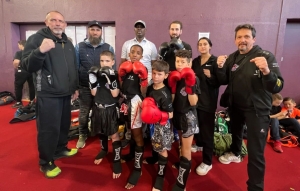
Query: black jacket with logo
(209, 87)
(54, 72)
(257, 89)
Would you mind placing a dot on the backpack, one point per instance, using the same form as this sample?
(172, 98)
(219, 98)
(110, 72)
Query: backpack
(221, 125)
(222, 144)
(288, 139)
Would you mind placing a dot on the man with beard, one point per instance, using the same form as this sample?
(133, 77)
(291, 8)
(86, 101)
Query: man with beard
(88, 55)
(50, 56)
(149, 57)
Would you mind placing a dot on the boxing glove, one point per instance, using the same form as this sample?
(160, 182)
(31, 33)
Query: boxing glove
(162, 51)
(176, 44)
(93, 73)
(125, 68)
(110, 76)
(151, 114)
(174, 77)
(141, 71)
(190, 79)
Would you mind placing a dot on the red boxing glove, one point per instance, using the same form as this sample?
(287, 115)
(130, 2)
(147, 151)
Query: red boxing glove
(172, 80)
(141, 70)
(151, 114)
(190, 80)
(124, 69)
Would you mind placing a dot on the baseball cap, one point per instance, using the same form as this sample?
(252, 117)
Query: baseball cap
(94, 23)
(140, 22)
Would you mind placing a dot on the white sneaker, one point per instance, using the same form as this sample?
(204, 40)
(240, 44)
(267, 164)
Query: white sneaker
(195, 148)
(203, 169)
(229, 157)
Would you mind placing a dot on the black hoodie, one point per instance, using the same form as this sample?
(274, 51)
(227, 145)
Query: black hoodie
(209, 87)
(54, 72)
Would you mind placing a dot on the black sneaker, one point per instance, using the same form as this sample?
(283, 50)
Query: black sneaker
(65, 153)
(17, 105)
(50, 170)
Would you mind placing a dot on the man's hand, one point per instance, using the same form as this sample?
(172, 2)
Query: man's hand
(207, 73)
(47, 45)
(261, 64)
(75, 95)
(221, 61)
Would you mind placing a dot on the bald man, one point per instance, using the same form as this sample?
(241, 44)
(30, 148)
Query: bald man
(50, 56)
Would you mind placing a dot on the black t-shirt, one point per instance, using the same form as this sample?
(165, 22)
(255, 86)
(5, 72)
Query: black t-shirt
(275, 110)
(103, 95)
(170, 55)
(162, 97)
(181, 102)
(18, 56)
(241, 93)
(131, 85)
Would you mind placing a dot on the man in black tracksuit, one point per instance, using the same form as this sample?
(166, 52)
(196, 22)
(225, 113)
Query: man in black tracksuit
(50, 56)
(252, 75)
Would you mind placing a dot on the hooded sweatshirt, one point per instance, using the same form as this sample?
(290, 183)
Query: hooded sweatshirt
(54, 72)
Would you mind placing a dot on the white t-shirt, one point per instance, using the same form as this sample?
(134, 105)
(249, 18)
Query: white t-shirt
(149, 53)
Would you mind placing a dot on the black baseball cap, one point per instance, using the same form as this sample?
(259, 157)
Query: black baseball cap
(95, 23)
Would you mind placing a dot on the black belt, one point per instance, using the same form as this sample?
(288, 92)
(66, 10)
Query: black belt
(103, 106)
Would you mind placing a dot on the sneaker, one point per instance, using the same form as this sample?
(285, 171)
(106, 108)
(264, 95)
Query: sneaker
(66, 153)
(203, 169)
(81, 141)
(124, 143)
(17, 105)
(277, 147)
(229, 157)
(195, 148)
(50, 170)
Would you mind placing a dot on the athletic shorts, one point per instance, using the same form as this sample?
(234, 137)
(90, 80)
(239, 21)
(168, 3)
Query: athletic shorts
(186, 122)
(131, 111)
(161, 136)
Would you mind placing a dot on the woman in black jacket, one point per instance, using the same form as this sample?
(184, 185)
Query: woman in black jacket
(205, 67)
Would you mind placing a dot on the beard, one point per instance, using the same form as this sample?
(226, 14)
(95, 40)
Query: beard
(175, 37)
(94, 41)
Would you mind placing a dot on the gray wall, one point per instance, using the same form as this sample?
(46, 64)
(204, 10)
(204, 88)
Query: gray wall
(214, 16)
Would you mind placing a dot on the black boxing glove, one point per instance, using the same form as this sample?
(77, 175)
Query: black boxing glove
(93, 73)
(162, 51)
(110, 76)
(176, 44)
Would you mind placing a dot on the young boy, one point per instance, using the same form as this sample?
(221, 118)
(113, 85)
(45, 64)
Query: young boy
(133, 76)
(275, 115)
(184, 87)
(292, 119)
(157, 110)
(104, 86)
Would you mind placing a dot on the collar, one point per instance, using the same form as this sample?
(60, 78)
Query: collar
(144, 39)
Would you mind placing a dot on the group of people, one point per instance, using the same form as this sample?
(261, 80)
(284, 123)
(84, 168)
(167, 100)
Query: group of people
(165, 89)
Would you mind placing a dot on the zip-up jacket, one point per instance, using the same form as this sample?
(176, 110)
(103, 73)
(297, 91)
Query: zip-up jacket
(209, 87)
(88, 56)
(258, 87)
(54, 72)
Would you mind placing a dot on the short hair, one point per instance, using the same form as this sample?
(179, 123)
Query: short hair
(107, 53)
(184, 54)
(176, 22)
(22, 42)
(161, 66)
(276, 96)
(289, 99)
(207, 39)
(246, 26)
(136, 45)
(54, 12)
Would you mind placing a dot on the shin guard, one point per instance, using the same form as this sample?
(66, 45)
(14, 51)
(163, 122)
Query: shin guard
(162, 163)
(184, 170)
(137, 169)
(117, 168)
(104, 142)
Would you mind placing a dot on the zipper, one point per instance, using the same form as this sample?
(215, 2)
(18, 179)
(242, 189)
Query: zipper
(63, 47)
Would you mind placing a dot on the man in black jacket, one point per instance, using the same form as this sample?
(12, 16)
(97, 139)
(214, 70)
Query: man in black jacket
(252, 75)
(88, 55)
(50, 56)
